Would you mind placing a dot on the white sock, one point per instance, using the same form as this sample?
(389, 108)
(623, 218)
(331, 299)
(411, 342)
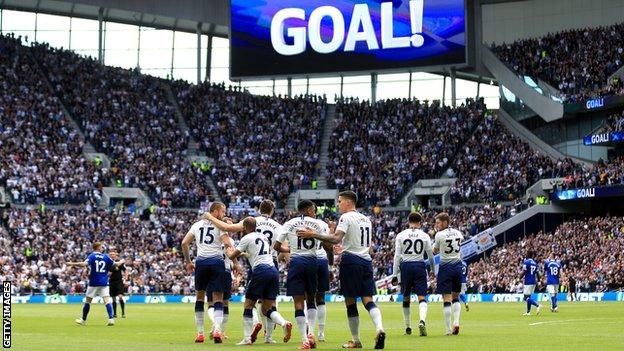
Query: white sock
(301, 325)
(199, 322)
(255, 316)
(247, 327)
(406, 317)
(226, 317)
(218, 319)
(422, 311)
(277, 318)
(456, 311)
(321, 316)
(375, 314)
(311, 317)
(354, 326)
(447, 317)
(211, 314)
(269, 328)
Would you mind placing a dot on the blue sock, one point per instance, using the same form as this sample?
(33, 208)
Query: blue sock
(533, 302)
(109, 309)
(462, 297)
(85, 311)
(554, 301)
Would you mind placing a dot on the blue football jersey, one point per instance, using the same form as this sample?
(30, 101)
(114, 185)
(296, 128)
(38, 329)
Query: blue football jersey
(553, 271)
(99, 265)
(464, 277)
(530, 272)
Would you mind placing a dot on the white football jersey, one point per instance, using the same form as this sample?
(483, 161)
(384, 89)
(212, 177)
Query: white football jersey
(448, 243)
(298, 246)
(411, 245)
(320, 251)
(257, 247)
(269, 227)
(208, 239)
(358, 231)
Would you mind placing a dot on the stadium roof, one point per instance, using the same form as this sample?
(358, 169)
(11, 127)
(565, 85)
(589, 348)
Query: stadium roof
(181, 15)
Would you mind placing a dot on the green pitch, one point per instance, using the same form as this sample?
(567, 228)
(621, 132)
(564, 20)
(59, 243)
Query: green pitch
(488, 326)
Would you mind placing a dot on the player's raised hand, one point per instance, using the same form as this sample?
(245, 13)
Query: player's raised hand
(331, 225)
(207, 216)
(190, 267)
(305, 233)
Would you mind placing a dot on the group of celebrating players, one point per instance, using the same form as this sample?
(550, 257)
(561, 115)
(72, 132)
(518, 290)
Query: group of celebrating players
(307, 244)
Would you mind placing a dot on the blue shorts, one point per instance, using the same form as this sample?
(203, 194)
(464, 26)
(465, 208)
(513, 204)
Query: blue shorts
(264, 283)
(322, 275)
(449, 278)
(227, 288)
(301, 277)
(209, 275)
(356, 276)
(413, 278)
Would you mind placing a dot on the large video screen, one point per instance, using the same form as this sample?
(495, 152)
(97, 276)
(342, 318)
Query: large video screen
(300, 37)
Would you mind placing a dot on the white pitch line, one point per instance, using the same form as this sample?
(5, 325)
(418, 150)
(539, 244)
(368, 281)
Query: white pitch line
(567, 321)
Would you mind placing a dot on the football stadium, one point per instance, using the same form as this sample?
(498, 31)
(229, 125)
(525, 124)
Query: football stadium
(318, 174)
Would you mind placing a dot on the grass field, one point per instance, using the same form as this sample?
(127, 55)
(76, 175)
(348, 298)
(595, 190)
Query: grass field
(488, 326)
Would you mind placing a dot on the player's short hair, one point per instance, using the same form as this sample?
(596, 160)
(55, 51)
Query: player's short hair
(267, 207)
(530, 254)
(249, 223)
(444, 217)
(96, 245)
(304, 205)
(216, 205)
(414, 217)
(348, 194)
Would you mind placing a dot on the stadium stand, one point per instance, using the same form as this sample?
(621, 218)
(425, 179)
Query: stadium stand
(577, 62)
(262, 146)
(126, 115)
(40, 154)
(379, 151)
(495, 165)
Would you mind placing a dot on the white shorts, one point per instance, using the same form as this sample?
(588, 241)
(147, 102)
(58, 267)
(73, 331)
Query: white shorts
(552, 288)
(529, 289)
(101, 291)
(463, 288)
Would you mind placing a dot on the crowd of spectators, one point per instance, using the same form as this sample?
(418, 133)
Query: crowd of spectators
(494, 165)
(40, 153)
(578, 62)
(262, 146)
(615, 122)
(602, 173)
(127, 116)
(380, 150)
(591, 250)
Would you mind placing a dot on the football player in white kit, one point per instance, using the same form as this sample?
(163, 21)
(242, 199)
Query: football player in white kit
(355, 232)
(410, 270)
(209, 268)
(270, 228)
(264, 282)
(302, 279)
(448, 244)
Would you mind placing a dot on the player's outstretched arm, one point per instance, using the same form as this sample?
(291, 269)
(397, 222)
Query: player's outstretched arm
(227, 227)
(334, 237)
(186, 243)
(280, 248)
(233, 253)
